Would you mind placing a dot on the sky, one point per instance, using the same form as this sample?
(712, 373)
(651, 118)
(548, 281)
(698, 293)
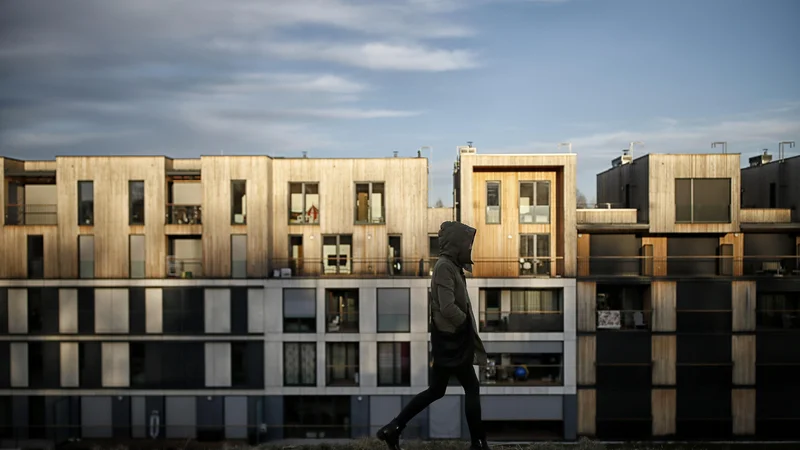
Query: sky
(338, 78)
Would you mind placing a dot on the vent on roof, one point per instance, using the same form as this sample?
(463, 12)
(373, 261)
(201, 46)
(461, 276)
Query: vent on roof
(761, 159)
(626, 158)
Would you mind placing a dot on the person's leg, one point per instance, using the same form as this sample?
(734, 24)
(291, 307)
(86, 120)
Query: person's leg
(472, 401)
(390, 433)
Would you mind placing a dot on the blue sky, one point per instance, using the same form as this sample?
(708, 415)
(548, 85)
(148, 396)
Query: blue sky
(343, 78)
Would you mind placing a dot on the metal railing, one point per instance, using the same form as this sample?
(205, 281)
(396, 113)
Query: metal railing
(177, 214)
(184, 267)
(532, 321)
(617, 319)
(346, 266)
(688, 266)
(24, 214)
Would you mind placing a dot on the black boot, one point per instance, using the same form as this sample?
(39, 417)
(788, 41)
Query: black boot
(480, 444)
(390, 434)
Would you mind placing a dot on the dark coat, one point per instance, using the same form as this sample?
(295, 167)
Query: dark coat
(454, 334)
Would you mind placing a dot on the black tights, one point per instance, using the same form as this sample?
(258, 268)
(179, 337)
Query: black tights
(441, 375)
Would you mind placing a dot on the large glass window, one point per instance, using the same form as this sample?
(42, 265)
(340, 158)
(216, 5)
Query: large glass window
(238, 202)
(703, 200)
(394, 306)
(300, 310)
(370, 203)
(394, 364)
(534, 202)
(303, 203)
(300, 363)
(534, 254)
(342, 363)
(85, 203)
(337, 254)
(342, 310)
(136, 202)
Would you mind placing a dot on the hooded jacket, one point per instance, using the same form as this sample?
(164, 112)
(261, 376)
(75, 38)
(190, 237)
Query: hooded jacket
(454, 335)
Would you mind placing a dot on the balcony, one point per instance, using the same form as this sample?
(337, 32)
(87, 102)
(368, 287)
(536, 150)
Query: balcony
(520, 310)
(628, 320)
(184, 214)
(523, 369)
(30, 214)
(185, 258)
(688, 266)
(778, 311)
(184, 267)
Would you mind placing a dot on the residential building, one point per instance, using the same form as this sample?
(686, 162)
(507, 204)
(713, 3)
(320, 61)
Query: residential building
(252, 297)
(688, 292)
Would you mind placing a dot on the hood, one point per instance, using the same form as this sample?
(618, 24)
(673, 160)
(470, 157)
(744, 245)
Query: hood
(455, 242)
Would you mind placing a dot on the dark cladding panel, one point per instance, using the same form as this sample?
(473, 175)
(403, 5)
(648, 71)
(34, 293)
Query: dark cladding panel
(239, 310)
(3, 310)
(692, 256)
(713, 376)
(624, 404)
(704, 349)
(705, 403)
(777, 376)
(706, 295)
(637, 429)
(210, 418)
(121, 417)
(773, 402)
(614, 245)
(89, 363)
(138, 313)
(778, 348)
(620, 347)
(704, 322)
(624, 377)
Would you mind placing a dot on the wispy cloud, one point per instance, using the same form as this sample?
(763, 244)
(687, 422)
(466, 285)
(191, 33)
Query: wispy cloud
(373, 55)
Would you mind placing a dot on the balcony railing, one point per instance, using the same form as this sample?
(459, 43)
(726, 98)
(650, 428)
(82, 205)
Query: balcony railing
(184, 267)
(688, 266)
(521, 321)
(344, 266)
(522, 374)
(31, 214)
(617, 319)
(184, 214)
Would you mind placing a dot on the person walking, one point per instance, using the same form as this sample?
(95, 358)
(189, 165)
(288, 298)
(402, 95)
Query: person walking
(455, 344)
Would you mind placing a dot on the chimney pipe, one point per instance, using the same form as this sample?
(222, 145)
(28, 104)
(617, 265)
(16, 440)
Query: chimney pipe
(395, 154)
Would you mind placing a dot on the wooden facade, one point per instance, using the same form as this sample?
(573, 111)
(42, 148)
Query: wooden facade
(498, 242)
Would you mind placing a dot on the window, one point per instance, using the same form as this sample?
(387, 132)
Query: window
(534, 202)
(86, 256)
(778, 311)
(247, 365)
(239, 256)
(296, 254)
(137, 255)
(703, 200)
(534, 254)
(35, 256)
(394, 364)
(136, 202)
(622, 307)
(299, 363)
(342, 310)
(492, 202)
(183, 310)
(370, 200)
(395, 255)
(317, 417)
(303, 203)
(238, 202)
(336, 254)
(491, 317)
(167, 365)
(85, 203)
(394, 306)
(300, 310)
(526, 369)
(342, 363)
(536, 310)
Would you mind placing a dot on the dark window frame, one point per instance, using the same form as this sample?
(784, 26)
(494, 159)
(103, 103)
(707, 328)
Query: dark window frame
(499, 204)
(86, 206)
(534, 184)
(397, 361)
(692, 205)
(308, 346)
(370, 191)
(134, 208)
(238, 202)
(302, 219)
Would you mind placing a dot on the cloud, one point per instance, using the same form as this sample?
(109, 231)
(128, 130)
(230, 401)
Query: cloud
(372, 55)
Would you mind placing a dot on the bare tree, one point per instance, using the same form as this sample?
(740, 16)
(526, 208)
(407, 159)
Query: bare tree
(439, 204)
(580, 199)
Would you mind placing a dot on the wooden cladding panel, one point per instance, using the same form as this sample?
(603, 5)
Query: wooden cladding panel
(743, 405)
(217, 174)
(765, 215)
(744, 359)
(664, 169)
(665, 355)
(587, 306)
(436, 216)
(584, 254)
(500, 242)
(587, 412)
(743, 304)
(564, 163)
(665, 406)
(664, 301)
(587, 354)
(613, 216)
(737, 241)
(405, 203)
(659, 264)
